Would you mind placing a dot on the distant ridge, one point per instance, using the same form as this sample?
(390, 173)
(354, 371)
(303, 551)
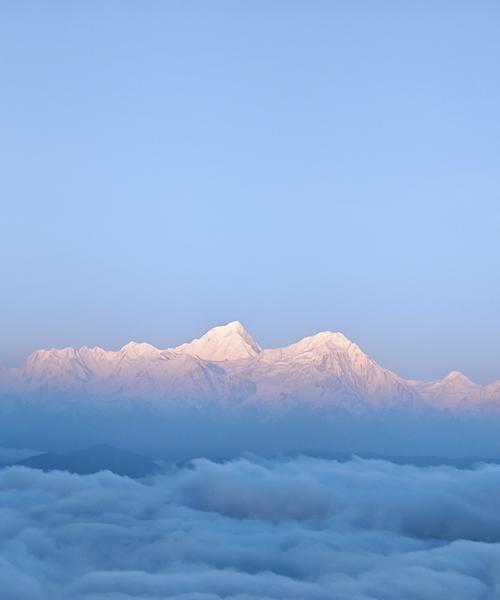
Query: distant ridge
(91, 460)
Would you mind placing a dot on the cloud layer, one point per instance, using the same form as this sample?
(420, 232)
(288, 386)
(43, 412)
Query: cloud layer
(248, 529)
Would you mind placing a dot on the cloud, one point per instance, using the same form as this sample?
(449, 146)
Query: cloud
(252, 529)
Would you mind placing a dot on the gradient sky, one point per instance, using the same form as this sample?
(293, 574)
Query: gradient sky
(299, 166)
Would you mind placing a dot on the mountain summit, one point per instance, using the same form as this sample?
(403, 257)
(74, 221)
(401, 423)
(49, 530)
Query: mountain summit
(226, 342)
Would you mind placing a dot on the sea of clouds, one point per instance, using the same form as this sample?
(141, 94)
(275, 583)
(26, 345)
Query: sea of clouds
(249, 528)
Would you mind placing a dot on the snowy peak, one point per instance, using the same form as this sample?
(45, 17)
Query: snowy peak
(54, 365)
(321, 343)
(457, 378)
(455, 390)
(52, 357)
(135, 350)
(226, 342)
(313, 348)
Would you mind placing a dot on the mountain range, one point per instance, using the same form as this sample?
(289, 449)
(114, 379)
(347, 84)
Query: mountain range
(227, 367)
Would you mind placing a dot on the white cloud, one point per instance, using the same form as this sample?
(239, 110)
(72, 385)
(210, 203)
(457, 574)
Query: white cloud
(248, 529)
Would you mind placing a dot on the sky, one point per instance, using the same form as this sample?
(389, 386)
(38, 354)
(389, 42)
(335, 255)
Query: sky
(299, 166)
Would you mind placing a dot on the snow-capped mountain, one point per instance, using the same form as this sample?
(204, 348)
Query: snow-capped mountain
(227, 366)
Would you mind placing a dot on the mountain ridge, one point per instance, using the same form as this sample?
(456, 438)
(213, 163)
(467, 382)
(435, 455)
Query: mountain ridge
(226, 364)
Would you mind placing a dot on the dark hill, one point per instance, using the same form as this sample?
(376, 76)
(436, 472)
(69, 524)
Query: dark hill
(94, 459)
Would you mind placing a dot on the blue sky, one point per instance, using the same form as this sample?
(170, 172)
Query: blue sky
(299, 166)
